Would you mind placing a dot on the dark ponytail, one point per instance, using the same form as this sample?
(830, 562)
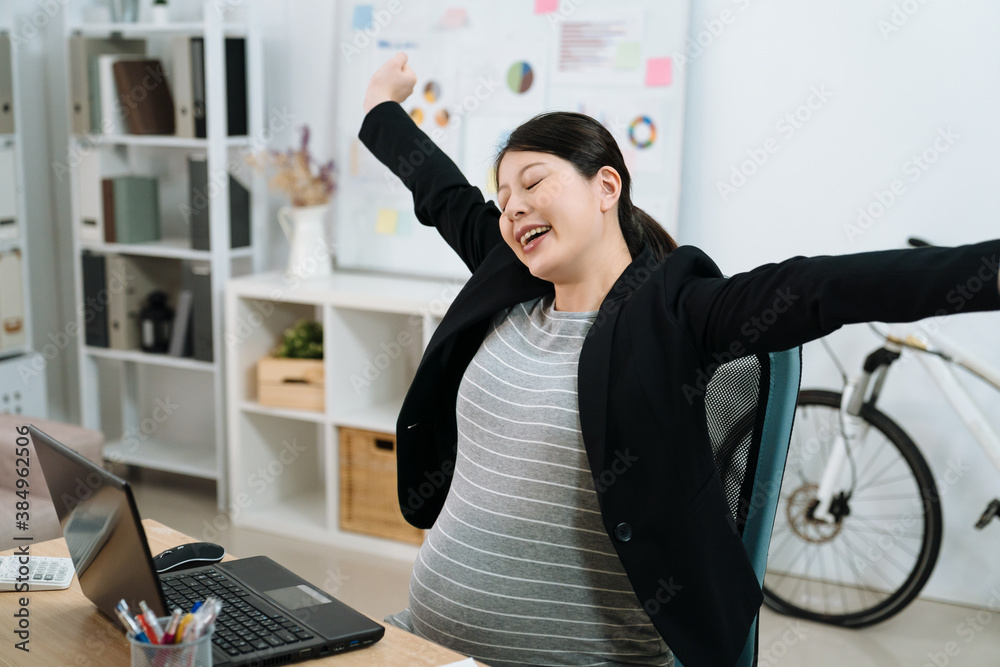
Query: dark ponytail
(588, 146)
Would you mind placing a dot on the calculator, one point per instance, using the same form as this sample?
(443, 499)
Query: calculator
(44, 573)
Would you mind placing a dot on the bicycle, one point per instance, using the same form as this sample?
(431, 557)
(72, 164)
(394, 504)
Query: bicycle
(858, 527)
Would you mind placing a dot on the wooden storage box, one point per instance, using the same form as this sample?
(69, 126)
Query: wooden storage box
(368, 499)
(290, 383)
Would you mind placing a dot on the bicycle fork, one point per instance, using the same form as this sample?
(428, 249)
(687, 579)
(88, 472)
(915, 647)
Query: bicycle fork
(852, 429)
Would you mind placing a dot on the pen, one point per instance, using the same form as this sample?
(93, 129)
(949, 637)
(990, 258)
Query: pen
(147, 628)
(182, 627)
(196, 606)
(171, 631)
(130, 624)
(152, 622)
(209, 610)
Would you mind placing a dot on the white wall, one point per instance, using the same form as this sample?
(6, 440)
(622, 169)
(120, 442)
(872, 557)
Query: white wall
(888, 98)
(889, 95)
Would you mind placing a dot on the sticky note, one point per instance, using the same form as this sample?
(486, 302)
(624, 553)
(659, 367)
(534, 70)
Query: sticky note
(406, 222)
(658, 72)
(386, 221)
(546, 6)
(362, 17)
(454, 17)
(628, 55)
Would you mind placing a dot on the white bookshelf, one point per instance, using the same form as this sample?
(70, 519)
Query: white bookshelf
(363, 316)
(14, 140)
(120, 390)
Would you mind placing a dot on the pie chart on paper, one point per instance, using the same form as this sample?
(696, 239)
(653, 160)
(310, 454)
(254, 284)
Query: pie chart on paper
(519, 77)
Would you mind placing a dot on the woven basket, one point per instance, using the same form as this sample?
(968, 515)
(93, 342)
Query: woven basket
(368, 499)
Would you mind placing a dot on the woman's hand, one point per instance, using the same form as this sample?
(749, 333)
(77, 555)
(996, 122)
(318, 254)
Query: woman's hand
(394, 81)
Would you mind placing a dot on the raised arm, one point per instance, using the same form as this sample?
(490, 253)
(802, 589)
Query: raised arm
(779, 306)
(442, 196)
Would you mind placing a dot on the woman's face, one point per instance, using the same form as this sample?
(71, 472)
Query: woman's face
(538, 190)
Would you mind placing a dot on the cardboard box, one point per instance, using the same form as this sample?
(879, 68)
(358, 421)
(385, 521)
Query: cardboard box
(291, 383)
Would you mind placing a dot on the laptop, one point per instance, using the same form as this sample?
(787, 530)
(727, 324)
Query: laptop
(270, 615)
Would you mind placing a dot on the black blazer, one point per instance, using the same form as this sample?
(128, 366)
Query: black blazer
(660, 332)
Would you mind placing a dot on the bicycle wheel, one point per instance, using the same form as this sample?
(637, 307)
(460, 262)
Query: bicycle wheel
(877, 556)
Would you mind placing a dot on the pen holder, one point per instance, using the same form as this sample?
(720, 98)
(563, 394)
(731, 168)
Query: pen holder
(188, 654)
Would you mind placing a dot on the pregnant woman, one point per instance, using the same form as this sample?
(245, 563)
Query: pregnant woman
(553, 439)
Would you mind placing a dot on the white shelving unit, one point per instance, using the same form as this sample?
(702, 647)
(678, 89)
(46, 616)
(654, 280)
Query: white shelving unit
(15, 142)
(157, 411)
(283, 472)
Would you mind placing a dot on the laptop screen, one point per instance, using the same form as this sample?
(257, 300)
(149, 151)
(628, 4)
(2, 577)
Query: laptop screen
(101, 524)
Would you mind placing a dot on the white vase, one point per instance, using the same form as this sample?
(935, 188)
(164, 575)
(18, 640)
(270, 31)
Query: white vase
(160, 14)
(310, 254)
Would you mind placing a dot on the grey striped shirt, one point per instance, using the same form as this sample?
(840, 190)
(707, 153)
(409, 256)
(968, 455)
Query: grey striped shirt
(518, 568)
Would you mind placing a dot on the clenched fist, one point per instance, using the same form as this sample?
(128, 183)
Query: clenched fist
(394, 81)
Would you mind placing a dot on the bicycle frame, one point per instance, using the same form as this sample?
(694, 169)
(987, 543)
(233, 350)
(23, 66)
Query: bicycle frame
(938, 355)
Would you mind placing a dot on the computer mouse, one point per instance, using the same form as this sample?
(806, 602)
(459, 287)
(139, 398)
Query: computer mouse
(187, 556)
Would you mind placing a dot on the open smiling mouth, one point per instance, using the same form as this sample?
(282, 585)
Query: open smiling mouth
(534, 237)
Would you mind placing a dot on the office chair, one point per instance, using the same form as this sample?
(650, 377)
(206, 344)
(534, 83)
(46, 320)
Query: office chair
(750, 406)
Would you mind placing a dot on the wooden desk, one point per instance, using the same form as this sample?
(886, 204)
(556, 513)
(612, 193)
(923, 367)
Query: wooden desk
(68, 630)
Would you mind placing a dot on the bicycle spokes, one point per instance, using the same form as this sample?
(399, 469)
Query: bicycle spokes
(869, 555)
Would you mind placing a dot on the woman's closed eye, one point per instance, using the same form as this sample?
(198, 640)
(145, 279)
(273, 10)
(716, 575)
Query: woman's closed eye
(504, 206)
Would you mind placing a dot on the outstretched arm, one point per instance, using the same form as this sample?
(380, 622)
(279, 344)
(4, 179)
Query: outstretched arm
(442, 196)
(779, 306)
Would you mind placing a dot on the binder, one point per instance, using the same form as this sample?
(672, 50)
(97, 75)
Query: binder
(95, 312)
(108, 206)
(8, 192)
(117, 278)
(13, 332)
(198, 86)
(236, 86)
(198, 279)
(198, 204)
(81, 50)
(180, 74)
(108, 106)
(131, 209)
(95, 165)
(152, 111)
(6, 86)
(180, 334)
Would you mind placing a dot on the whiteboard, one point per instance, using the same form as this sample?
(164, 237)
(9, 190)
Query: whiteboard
(483, 68)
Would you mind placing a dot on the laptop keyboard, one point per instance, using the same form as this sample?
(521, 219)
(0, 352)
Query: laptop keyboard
(241, 627)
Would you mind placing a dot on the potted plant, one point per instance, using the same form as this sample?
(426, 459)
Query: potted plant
(309, 185)
(292, 377)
